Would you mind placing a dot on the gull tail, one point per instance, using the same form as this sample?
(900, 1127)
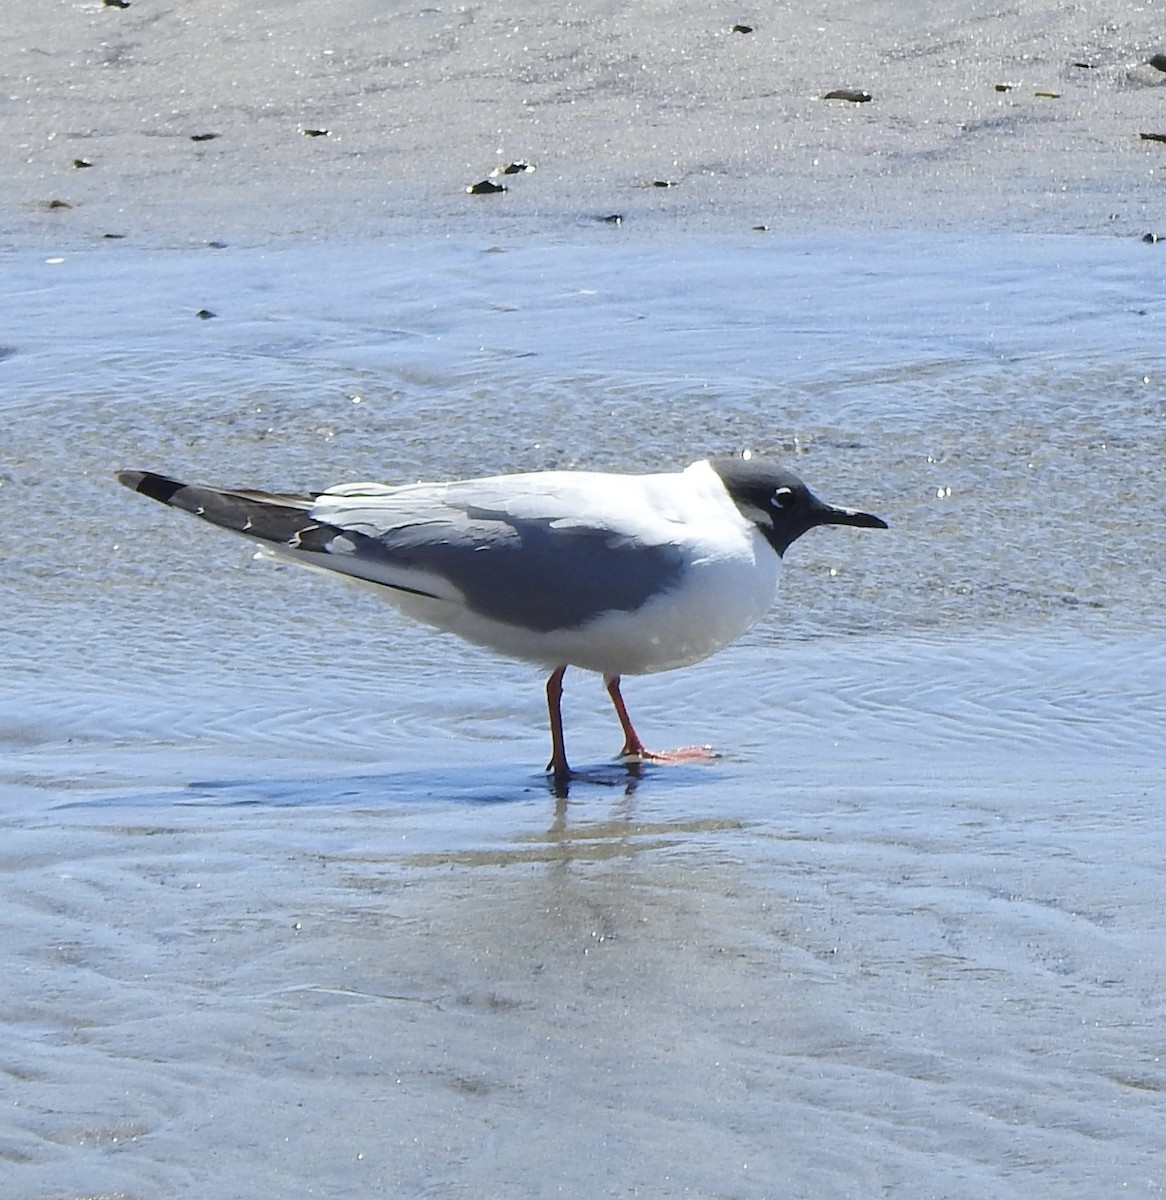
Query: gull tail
(282, 520)
(285, 527)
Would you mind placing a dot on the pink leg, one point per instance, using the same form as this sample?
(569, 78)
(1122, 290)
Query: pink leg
(558, 763)
(633, 747)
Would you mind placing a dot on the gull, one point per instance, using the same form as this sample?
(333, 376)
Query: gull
(615, 573)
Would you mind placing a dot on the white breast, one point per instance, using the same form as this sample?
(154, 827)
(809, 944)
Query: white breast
(728, 584)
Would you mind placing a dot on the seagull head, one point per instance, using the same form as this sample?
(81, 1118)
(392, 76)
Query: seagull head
(779, 503)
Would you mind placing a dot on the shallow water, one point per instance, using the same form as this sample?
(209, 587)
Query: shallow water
(287, 904)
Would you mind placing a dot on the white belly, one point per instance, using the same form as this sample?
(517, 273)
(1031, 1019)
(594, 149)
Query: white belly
(723, 585)
(714, 603)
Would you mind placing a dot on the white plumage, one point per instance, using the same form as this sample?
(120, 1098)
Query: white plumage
(619, 574)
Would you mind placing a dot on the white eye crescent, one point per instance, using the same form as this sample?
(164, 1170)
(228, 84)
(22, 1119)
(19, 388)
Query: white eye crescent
(783, 497)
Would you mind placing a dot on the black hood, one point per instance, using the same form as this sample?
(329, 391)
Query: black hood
(779, 503)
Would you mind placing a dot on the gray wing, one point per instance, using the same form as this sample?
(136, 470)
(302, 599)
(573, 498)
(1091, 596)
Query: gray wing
(537, 572)
(507, 550)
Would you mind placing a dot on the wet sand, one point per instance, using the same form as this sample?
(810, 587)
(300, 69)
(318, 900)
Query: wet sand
(980, 118)
(852, 995)
(287, 905)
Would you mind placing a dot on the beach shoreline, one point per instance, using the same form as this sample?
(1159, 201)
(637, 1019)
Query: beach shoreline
(288, 904)
(317, 120)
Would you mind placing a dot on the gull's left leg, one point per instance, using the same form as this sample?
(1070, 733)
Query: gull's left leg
(633, 747)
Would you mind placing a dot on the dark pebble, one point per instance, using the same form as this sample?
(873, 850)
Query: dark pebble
(1158, 62)
(485, 187)
(203, 137)
(1152, 137)
(315, 132)
(205, 314)
(851, 94)
(116, 3)
(741, 29)
(81, 163)
(514, 168)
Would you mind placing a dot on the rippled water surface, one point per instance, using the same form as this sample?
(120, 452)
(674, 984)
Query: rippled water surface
(286, 904)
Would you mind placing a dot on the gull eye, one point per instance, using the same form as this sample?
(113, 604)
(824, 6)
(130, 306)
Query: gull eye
(782, 498)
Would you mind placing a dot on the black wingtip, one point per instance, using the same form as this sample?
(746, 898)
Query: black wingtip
(157, 487)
